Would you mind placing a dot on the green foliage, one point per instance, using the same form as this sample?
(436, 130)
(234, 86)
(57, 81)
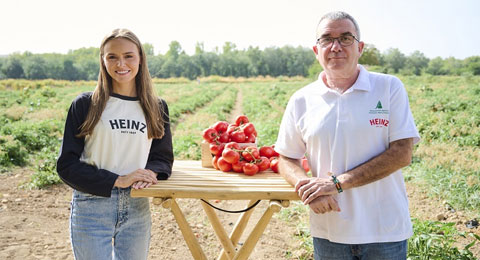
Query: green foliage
(435, 240)
(45, 174)
(11, 153)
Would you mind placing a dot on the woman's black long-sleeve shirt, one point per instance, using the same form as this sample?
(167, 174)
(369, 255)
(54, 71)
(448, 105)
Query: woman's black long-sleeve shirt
(118, 145)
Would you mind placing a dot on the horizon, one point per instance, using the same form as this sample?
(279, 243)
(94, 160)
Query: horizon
(55, 26)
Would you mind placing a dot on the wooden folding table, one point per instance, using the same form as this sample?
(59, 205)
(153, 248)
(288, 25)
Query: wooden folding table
(190, 180)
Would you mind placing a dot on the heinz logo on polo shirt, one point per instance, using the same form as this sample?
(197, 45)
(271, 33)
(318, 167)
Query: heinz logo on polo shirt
(379, 122)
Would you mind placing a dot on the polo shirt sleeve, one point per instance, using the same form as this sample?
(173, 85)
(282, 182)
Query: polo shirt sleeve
(160, 158)
(402, 124)
(289, 141)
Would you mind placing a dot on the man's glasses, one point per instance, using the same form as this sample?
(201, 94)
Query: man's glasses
(344, 40)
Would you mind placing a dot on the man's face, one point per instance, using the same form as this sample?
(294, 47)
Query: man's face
(338, 60)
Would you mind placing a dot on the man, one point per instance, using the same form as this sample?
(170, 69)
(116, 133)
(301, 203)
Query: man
(357, 131)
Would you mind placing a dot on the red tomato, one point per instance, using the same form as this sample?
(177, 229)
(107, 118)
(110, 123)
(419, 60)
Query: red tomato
(223, 138)
(210, 134)
(275, 152)
(267, 151)
(250, 153)
(223, 165)
(238, 136)
(238, 166)
(231, 128)
(220, 126)
(274, 164)
(263, 163)
(250, 139)
(230, 156)
(214, 162)
(242, 119)
(250, 169)
(248, 128)
(305, 165)
(232, 145)
(217, 149)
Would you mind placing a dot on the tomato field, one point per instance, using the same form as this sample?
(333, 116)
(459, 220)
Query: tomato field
(446, 163)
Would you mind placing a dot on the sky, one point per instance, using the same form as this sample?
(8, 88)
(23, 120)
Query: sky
(442, 28)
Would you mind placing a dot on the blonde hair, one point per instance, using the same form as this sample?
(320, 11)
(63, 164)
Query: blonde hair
(144, 88)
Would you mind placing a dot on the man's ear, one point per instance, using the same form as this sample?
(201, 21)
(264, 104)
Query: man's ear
(315, 49)
(360, 47)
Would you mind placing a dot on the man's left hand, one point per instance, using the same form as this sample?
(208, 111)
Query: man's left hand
(312, 188)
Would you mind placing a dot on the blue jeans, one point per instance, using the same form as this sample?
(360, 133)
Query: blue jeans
(326, 250)
(110, 228)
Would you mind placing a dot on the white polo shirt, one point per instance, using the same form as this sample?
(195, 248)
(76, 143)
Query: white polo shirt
(338, 132)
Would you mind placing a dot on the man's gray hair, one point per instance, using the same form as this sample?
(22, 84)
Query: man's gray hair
(340, 15)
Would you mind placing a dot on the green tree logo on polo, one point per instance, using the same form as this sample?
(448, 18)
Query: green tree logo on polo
(378, 109)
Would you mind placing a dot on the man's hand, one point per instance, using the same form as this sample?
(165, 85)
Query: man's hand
(312, 188)
(140, 178)
(324, 204)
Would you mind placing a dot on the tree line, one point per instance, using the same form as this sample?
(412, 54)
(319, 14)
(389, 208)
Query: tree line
(83, 63)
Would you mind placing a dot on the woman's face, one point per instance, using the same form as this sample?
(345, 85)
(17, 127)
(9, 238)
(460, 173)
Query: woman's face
(122, 61)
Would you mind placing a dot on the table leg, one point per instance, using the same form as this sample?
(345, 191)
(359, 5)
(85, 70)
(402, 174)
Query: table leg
(238, 229)
(188, 235)
(257, 232)
(219, 230)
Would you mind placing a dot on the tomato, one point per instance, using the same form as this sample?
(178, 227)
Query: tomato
(274, 164)
(267, 151)
(232, 145)
(214, 162)
(220, 126)
(210, 134)
(275, 152)
(242, 119)
(250, 139)
(223, 165)
(231, 128)
(250, 169)
(223, 138)
(238, 166)
(305, 165)
(248, 128)
(250, 153)
(230, 156)
(263, 163)
(238, 136)
(217, 148)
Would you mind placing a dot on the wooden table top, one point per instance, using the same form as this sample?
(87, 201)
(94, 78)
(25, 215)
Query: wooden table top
(190, 180)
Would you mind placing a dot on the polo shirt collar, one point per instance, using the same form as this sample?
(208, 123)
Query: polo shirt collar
(362, 82)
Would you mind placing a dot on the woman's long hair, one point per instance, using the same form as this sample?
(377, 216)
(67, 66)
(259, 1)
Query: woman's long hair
(149, 101)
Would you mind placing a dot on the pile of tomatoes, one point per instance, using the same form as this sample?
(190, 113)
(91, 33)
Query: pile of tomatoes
(233, 148)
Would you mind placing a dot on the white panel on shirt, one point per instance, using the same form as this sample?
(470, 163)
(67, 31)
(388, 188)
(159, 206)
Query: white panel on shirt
(119, 142)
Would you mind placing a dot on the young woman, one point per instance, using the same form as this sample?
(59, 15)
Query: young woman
(115, 139)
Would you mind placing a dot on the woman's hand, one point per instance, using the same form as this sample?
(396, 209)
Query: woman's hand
(140, 178)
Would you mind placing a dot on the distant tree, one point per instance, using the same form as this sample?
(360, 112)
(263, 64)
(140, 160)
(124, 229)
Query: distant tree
(453, 66)
(148, 49)
(199, 48)
(370, 55)
(394, 59)
(12, 67)
(416, 62)
(435, 67)
(174, 50)
(472, 65)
